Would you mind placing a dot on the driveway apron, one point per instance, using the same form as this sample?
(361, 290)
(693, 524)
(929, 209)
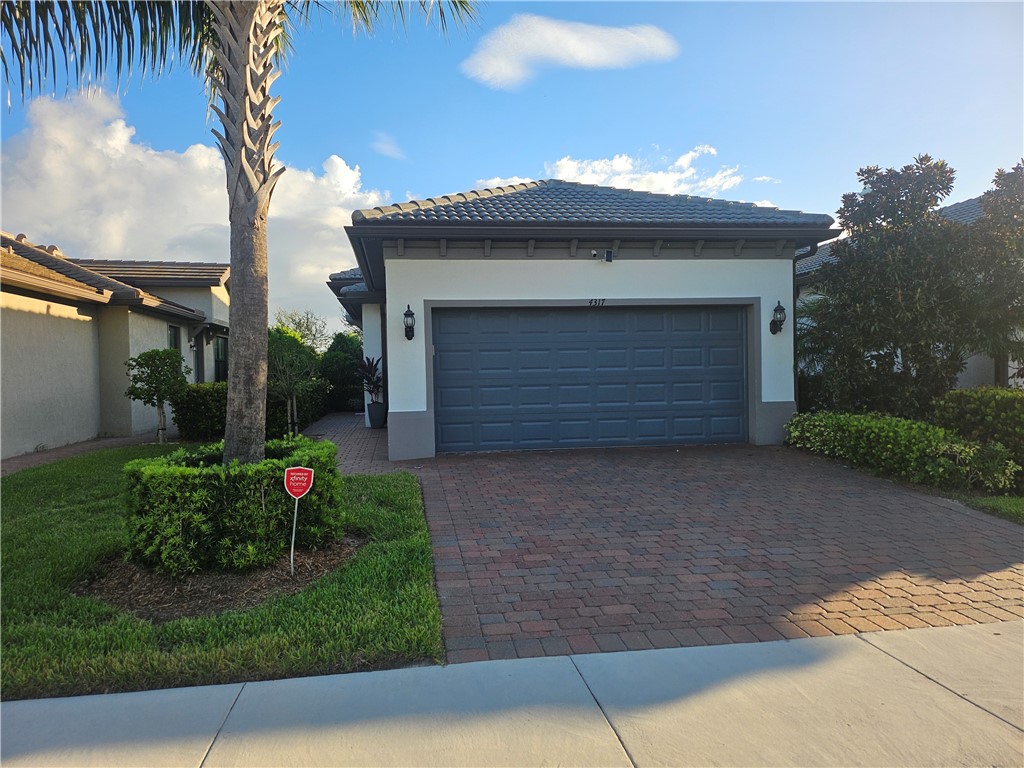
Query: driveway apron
(558, 552)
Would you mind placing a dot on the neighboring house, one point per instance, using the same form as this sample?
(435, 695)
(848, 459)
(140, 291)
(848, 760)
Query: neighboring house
(553, 314)
(69, 325)
(979, 369)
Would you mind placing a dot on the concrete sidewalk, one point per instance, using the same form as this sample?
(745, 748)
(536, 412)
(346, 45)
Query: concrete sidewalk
(943, 696)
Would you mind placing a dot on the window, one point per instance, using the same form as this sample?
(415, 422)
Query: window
(220, 358)
(174, 337)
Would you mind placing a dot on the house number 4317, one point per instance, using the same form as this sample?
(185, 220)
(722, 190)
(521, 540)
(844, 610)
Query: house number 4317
(597, 302)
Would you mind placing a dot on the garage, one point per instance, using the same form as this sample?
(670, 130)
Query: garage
(570, 377)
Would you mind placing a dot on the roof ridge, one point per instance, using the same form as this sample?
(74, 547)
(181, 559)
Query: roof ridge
(412, 205)
(143, 262)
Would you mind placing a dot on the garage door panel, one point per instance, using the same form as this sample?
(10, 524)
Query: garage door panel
(539, 378)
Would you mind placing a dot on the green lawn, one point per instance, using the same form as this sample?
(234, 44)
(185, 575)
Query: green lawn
(1010, 507)
(61, 520)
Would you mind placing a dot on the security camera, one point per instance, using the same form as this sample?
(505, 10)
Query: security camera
(593, 254)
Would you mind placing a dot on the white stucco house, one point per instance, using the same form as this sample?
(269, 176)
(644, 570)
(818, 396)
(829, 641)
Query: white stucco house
(67, 326)
(554, 314)
(979, 369)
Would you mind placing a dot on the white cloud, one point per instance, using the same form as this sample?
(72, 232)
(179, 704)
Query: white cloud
(384, 144)
(76, 177)
(765, 204)
(767, 179)
(501, 181)
(510, 55)
(680, 177)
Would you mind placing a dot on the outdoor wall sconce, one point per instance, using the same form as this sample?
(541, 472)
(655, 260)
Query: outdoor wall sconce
(409, 320)
(778, 318)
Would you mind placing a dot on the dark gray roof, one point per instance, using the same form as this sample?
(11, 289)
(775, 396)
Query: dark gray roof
(966, 212)
(53, 260)
(157, 273)
(349, 274)
(554, 201)
(354, 288)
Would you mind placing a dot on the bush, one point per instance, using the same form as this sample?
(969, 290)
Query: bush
(910, 450)
(201, 409)
(985, 415)
(189, 512)
(338, 366)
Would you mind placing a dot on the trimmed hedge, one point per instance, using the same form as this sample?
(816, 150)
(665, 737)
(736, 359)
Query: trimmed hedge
(201, 409)
(189, 512)
(985, 415)
(910, 450)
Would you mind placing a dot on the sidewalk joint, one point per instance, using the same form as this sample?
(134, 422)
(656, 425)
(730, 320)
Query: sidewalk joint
(221, 726)
(607, 719)
(940, 684)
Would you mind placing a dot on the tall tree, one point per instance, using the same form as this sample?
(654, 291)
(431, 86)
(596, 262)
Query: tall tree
(311, 328)
(235, 46)
(910, 296)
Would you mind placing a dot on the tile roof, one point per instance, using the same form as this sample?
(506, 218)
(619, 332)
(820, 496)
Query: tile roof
(965, 212)
(9, 260)
(155, 273)
(564, 202)
(349, 274)
(50, 259)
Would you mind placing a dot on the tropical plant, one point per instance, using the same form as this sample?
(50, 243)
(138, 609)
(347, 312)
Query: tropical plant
(236, 47)
(157, 377)
(371, 377)
(290, 363)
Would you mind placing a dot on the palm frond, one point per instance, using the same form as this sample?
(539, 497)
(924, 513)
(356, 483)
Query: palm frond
(95, 38)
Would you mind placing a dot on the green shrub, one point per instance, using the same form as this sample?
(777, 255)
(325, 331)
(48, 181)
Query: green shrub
(910, 450)
(985, 415)
(338, 366)
(200, 410)
(190, 512)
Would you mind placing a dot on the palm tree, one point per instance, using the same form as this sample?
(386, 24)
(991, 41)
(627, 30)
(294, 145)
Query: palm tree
(236, 47)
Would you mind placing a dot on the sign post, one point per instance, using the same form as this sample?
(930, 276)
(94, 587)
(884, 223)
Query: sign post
(297, 481)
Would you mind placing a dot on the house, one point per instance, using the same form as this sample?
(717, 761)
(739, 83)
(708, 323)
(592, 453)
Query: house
(979, 370)
(553, 314)
(67, 326)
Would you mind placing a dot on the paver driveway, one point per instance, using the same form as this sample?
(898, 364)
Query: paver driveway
(548, 553)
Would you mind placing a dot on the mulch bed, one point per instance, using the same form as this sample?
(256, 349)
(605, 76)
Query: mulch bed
(159, 598)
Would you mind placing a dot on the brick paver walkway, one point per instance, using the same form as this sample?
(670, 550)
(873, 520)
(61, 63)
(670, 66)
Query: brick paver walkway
(548, 553)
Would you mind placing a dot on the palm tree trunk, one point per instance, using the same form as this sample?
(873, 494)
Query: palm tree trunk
(246, 32)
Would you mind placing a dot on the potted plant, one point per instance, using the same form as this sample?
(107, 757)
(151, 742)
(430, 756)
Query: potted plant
(373, 385)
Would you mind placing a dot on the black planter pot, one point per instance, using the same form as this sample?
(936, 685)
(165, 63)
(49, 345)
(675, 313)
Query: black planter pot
(378, 413)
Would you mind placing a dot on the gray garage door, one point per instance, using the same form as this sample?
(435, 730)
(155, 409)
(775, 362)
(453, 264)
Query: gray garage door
(602, 376)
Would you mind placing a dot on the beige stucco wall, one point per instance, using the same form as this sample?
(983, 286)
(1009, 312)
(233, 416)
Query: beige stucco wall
(211, 301)
(49, 374)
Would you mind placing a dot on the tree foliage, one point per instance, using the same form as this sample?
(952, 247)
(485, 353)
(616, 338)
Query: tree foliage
(289, 363)
(339, 365)
(311, 328)
(157, 377)
(911, 294)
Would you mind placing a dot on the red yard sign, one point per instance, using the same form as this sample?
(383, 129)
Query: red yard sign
(298, 481)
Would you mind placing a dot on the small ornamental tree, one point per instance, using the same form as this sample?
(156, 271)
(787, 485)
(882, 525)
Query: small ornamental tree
(290, 362)
(157, 377)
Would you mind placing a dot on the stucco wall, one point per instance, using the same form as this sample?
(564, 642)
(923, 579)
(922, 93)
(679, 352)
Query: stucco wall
(508, 276)
(373, 343)
(48, 374)
(576, 282)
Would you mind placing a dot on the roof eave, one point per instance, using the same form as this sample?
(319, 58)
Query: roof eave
(39, 284)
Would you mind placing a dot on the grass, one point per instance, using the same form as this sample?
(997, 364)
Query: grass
(60, 521)
(1010, 507)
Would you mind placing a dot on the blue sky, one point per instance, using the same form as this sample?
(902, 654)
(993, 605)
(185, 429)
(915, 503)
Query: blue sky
(776, 103)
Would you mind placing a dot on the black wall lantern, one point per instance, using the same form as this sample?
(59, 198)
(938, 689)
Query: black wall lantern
(778, 318)
(409, 319)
